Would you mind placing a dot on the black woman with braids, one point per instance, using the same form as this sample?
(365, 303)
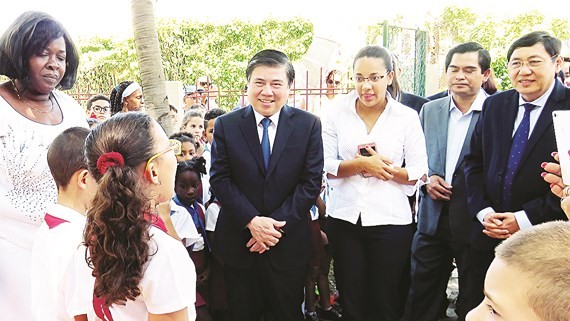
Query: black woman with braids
(127, 96)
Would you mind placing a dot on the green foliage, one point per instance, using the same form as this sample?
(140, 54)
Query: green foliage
(458, 25)
(191, 49)
(457, 22)
(560, 28)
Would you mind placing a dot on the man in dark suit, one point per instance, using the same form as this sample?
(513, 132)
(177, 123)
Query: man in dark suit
(514, 136)
(444, 224)
(267, 163)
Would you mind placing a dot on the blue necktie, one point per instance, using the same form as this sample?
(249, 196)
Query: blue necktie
(265, 148)
(515, 156)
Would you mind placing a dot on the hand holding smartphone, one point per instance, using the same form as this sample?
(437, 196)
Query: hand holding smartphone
(364, 152)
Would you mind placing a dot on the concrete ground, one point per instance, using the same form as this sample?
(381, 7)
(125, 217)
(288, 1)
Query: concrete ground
(452, 292)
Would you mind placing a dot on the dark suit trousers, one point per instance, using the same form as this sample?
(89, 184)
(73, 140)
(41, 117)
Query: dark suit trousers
(263, 291)
(431, 258)
(369, 263)
(480, 262)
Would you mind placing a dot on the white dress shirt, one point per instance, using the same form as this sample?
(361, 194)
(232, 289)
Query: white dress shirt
(398, 135)
(457, 127)
(521, 216)
(271, 130)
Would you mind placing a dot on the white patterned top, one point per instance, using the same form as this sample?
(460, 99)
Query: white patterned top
(26, 184)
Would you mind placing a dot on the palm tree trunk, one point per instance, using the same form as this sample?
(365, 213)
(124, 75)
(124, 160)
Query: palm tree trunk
(150, 61)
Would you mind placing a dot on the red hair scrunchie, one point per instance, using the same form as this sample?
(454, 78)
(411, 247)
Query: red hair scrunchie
(109, 159)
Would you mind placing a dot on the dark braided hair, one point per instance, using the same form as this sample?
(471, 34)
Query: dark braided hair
(116, 96)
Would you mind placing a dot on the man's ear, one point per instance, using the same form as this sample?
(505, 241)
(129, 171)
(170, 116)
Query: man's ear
(82, 178)
(559, 62)
(486, 75)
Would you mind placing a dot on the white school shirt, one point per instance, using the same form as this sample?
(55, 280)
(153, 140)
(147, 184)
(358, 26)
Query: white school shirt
(521, 216)
(212, 214)
(52, 251)
(457, 127)
(168, 284)
(398, 135)
(184, 226)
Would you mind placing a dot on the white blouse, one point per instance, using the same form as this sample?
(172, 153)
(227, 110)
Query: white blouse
(398, 135)
(168, 284)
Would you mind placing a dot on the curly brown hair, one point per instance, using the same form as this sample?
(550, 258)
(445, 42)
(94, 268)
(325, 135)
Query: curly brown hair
(117, 233)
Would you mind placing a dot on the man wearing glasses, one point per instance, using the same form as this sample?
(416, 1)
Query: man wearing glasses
(192, 95)
(209, 92)
(99, 107)
(514, 136)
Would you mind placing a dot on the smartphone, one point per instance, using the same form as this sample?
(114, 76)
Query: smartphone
(561, 119)
(363, 151)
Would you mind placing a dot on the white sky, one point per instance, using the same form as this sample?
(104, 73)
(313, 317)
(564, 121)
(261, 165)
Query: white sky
(113, 17)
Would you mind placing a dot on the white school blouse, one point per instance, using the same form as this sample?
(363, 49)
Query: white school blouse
(168, 284)
(398, 135)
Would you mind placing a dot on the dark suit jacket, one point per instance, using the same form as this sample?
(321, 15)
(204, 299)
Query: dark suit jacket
(434, 117)
(439, 95)
(413, 101)
(486, 162)
(285, 192)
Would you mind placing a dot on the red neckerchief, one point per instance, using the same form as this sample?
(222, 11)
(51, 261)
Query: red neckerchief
(101, 309)
(155, 221)
(53, 221)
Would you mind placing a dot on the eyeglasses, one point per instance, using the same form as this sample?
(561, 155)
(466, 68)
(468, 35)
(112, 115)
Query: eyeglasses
(99, 109)
(374, 78)
(330, 82)
(173, 145)
(533, 63)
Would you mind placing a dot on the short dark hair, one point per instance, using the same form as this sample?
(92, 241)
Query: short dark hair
(184, 137)
(69, 144)
(271, 58)
(172, 108)
(29, 35)
(93, 122)
(550, 43)
(97, 97)
(484, 56)
(212, 114)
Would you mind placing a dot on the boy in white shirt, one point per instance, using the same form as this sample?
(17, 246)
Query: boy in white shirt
(62, 231)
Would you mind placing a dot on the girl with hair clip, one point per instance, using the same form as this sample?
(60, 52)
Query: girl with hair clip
(127, 96)
(141, 273)
(188, 190)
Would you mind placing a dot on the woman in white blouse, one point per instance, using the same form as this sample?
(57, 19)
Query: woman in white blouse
(370, 220)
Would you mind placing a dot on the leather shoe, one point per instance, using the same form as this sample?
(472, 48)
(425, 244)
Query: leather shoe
(330, 315)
